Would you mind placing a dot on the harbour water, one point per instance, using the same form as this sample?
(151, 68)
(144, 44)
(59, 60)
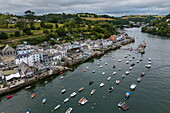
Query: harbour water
(150, 96)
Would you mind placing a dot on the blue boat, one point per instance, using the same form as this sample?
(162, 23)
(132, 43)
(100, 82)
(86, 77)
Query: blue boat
(28, 111)
(127, 95)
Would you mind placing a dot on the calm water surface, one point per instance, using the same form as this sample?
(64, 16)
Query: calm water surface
(150, 96)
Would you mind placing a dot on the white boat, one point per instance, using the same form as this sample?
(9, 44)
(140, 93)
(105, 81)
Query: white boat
(126, 56)
(100, 59)
(119, 60)
(69, 110)
(63, 91)
(101, 66)
(148, 66)
(127, 72)
(114, 73)
(138, 79)
(56, 107)
(112, 56)
(28, 87)
(103, 73)
(129, 54)
(127, 62)
(98, 63)
(87, 67)
(73, 94)
(137, 61)
(106, 63)
(120, 69)
(83, 100)
(102, 84)
(149, 59)
(61, 77)
(93, 71)
(44, 101)
(130, 68)
(65, 100)
(133, 86)
(81, 89)
(45, 82)
(109, 78)
(117, 81)
(149, 62)
(92, 91)
(110, 89)
(130, 59)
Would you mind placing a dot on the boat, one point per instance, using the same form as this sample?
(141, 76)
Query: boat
(63, 91)
(83, 101)
(93, 71)
(43, 101)
(148, 66)
(28, 87)
(65, 100)
(28, 111)
(45, 82)
(127, 72)
(81, 89)
(119, 60)
(117, 82)
(142, 74)
(123, 76)
(61, 77)
(92, 91)
(126, 56)
(123, 106)
(140, 59)
(101, 66)
(112, 56)
(114, 66)
(103, 73)
(73, 94)
(110, 89)
(98, 63)
(137, 61)
(149, 59)
(129, 54)
(114, 73)
(84, 70)
(138, 79)
(120, 69)
(133, 57)
(132, 64)
(100, 59)
(32, 95)
(69, 110)
(87, 67)
(106, 63)
(149, 62)
(91, 82)
(127, 95)
(130, 59)
(61, 72)
(109, 78)
(102, 84)
(127, 62)
(133, 86)
(56, 107)
(9, 96)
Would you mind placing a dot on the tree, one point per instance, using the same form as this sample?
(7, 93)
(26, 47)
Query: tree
(29, 14)
(21, 24)
(27, 31)
(56, 25)
(3, 21)
(42, 24)
(17, 34)
(3, 35)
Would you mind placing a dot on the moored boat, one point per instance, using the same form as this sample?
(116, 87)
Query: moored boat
(130, 59)
(63, 91)
(123, 106)
(110, 89)
(91, 82)
(28, 87)
(148, 65)
(114, 66)
(109, 78)
(103, 73)
(138, 79)
(69, 110)
(65, 100)
(84, 70)
(133, 64)
(43, 101)
(73, 94)
(9, 96)
(130, 68)
(127, 62)
(56, 107)
(45, 82)
(142, 74)
(106, 63)
(149, 59)
(92, 91)
(119, 60)
(137, 61)
(102, 84)
(127, 95)
(120, 69)
(93, 71)
(133, 86)
(32, 95)
(28, 111)
(83, 101)
(123, 76)
(61, 77)
(127, 72)
(117, 82)
(149, 62)
(114, 73)
(81, 89)
(87, 67)
(101, 66)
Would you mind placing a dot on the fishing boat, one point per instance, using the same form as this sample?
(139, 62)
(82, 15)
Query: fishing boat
(92, 91)
(109, 78)
(106, 63)
(130, 68)
(120, 69)
(138, 79)
(56, 107)
(127, 95)
(102, 84)
(119, 60)
(84, 70)
(28, 111)
(101, 66)
(123, 106)
(117, 82)
(93, 71)
(127, 62)
(32, 95)
(103, 73)
(123, 76)
(73, 94)
(9, 96)
(83, 101)
(63, 91)
(81, 89)
(28, 87)
(91, 82)
(114, 73)
(114, 66)
(69, 110)
(65, 100)
(142, 74)
(127, 72)
(110, 89)
(133, 86)
(43, 101)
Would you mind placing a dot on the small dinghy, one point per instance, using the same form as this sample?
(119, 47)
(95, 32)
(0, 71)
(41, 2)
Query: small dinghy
(117, 82)
(102, 84)
(127, 95)
(66, 100)
(109, 78)
(138, 79)
(103, 73)
(106, 63)
(32, 95)
(81, 89)
(45, 82)
(149, 59)
(148, 66)
(114, 73)
(133, 86)
(56, 107)
(120, 69)
(127, 62)
(28, 111)
(123, 106)
(119, 60)
(149, 62)
(130, 68)
(110, 89)
(101, 66)
(63, 91)
(130, 59)
(123, 76)
(129, 54)
(28, 87)
(61, 77)
(93, 71)
(91, 82)
(10, 96)
(114, 66)
(133, 64)
(142, 74)
(87, 67)
(43, 101)
(127, 72)
(137, 61)
(73, 94)
(93, 91)
(100, 59)
(69, 110)
(126, 56)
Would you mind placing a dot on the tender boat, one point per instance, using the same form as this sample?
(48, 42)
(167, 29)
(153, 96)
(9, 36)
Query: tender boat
(102, 84)
(127, 62)
(106, 63)
(32, 95)
(28, 87)
(142, 74)
(123, 76)
(114, 73)
(69, 110)
(127, 72)
(130, 59)
(43, 101)
(109, 78)
(114, 66)
(103, 73)
(127, 95)
(84, 70)
(120, 69)
(63, 91)
(83, 100)
(28, 111)
(101, 66)
(110, 89)
(65, 100)
(117, 82)
(138, 79)
(123, 106)
(133, 86)
(93, 91)
(73, 94)
(93, 71)
(81, 89)
(119, 60)
(56, 107)
(132, 64)
(137, 61)
(91, 82)
(10, 96)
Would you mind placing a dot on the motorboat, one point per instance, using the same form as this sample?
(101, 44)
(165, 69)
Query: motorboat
(149, 59)
(103, 73)
(149, 62)
(130, 59)
(101, 66)
(148, 66)
(127, 62)
(32, 95)
(130, 68)
(114, 73)
(127, 95)
(45, 82)
(83, 101)
(61, 77)
(28, 111)
(9, 96)
(142, 74)
(66, 100)
(28, 87)
(137, 61)
(129, 54)
(123, 106)
(93, 71)
(109, 78)
(43, 101)
(98, 63)
(133, 86)
(87, 67)
(127, 72)
(92, 91)
(100, 59)
(119, 60)
(84, 70)
(102, 84)
(126, 56)
(133, 64)
(91, 82)
(114, 66)
(63, 91)
(56, 107)
(117, 82)
(123, 76)
(120, 69)
(81, 89)
(138, 79)
(69, 110)
(73, 94)
(110, 89)
(106, 63)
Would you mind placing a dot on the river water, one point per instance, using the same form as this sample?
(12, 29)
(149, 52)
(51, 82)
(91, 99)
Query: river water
(150, 96)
